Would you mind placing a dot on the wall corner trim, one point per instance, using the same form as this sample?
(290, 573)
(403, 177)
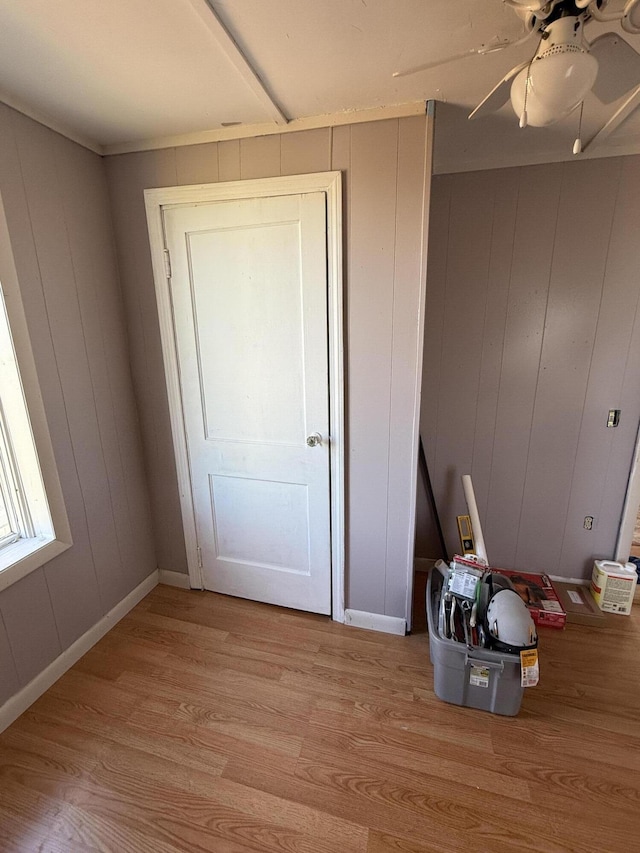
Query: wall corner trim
(178, 579)
(375, 622)
(18, 704)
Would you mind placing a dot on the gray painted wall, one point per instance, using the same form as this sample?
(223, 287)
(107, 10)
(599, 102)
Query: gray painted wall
(532, 336)
(56, 202)
(383, 166)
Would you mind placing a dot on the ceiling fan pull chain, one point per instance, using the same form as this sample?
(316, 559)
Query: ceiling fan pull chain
(527, 84)
(577, 145)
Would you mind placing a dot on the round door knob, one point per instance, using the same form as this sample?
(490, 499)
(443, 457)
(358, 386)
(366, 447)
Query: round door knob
(314, 439)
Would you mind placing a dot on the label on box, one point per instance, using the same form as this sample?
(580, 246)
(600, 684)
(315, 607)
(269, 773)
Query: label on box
(530, 668)
(463, 583)
(479, 676)
(617, 591)
(552, 606)
(575, 596)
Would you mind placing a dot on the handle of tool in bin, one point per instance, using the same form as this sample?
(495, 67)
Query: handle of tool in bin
(488, 664)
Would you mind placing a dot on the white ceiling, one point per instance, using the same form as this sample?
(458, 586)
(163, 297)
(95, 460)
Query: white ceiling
(127, 74)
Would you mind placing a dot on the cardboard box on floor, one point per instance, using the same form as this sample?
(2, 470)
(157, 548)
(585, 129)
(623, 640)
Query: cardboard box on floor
(540, 596)
(536, 590)
(579, 605)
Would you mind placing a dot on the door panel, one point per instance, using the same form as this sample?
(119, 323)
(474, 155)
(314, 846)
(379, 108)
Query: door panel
(244, 504)
(260, 323)
(250, 309)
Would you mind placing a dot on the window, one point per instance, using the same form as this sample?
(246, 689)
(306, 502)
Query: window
(33, 522)
(8, 524)
(24, 510)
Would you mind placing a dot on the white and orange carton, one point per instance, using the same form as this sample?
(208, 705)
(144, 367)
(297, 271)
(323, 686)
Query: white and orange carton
(613, 586)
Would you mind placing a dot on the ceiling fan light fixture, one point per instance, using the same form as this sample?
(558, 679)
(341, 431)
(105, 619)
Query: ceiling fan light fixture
(631, 19)
(529, 5)
(556, 83)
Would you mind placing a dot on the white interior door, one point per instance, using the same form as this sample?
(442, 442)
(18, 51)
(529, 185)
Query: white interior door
(249, 291)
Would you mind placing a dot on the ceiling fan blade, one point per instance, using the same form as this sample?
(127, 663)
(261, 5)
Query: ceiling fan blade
(416, 69)
(618, 67)
(499, 95)
(492, 46)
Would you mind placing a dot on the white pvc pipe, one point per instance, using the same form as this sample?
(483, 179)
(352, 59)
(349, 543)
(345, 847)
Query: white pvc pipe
(472, 506)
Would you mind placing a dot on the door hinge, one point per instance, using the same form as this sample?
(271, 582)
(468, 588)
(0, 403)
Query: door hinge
(199, 550)
(167, 263)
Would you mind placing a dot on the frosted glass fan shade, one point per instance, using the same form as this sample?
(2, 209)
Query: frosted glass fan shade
(558, 82)
(631, 20)
(529, 5)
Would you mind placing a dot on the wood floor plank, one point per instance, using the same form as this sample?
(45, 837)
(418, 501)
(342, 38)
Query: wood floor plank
(415, 811)
(385, 842)
(246, 694)
(27, 819)
(544, 737)
(80, 830)
(434, 770)
(270, 751)
(19, 833)
(205, 723)
(258, 729)
(94, 737)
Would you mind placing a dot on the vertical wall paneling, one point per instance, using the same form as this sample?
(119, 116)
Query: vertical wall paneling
(560, 347)
(434, 331)
(129, 176)
(537, 212)
(78, 561)
(118, 360)
(406, 334)
(9, 683)
(575, 293)
(306, 152)
(599, 466)
(31, 626)
(471, 205)
(87, 232)
(57, 209)
(229, 160)
(259, 157)
(623, 263)
(374, 152)
(505, 196)
(623, 454)
(90, 237)
(43, 192)
(197, 164)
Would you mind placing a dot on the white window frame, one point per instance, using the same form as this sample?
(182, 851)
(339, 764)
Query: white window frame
(35, 496)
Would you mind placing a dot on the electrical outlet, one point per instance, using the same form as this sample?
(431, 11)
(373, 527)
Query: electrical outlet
(588, 522)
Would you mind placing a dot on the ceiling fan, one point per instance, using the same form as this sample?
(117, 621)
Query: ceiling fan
(565, 66)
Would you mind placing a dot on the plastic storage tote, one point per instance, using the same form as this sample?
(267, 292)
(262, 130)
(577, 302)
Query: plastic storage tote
(478, 678)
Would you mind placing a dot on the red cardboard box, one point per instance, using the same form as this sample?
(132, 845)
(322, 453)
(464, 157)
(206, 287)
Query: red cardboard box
(540, 596)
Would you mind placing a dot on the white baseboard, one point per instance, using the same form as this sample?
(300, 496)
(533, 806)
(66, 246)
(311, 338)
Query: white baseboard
(375, 622)
(174, 579)
(574, 581)
(19, 703)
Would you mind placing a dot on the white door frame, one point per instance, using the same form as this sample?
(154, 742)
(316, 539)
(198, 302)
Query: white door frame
(155, 200)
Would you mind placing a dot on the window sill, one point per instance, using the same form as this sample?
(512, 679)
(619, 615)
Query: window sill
(25, 556)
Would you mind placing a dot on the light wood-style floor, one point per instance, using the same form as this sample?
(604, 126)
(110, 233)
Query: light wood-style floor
(204, 723)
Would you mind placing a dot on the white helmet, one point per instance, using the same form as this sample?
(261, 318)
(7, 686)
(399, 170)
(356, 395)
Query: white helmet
(509, 623)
